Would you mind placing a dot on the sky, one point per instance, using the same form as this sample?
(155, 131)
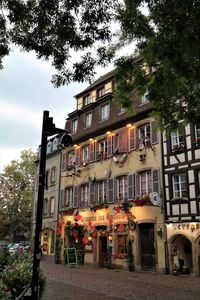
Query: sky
(25, 92)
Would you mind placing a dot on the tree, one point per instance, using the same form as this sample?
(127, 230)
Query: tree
(16, 195)
(79, 34)
(166, 61)
(56, 30)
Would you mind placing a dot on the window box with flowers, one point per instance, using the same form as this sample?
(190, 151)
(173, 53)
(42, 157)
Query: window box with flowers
(179, 200)
(99, 205)
(141, 200)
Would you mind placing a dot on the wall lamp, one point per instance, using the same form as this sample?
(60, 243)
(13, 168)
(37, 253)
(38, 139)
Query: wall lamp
(110, 237)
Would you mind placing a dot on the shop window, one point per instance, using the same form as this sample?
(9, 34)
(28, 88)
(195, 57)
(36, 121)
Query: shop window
(145, 183)
(122, 245)
(101, 190)
(122, 188)
(85, 195)
(105, 112)
(88, 120)
(179, 186)
(74, 125)
(86, 100)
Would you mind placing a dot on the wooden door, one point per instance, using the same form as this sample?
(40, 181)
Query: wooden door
(102, 250)
(147, 246)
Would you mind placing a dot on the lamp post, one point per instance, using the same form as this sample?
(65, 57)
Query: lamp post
(48, 129)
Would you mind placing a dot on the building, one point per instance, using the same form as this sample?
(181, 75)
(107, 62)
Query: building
(111, 182)
(51, 196)
(181, 167)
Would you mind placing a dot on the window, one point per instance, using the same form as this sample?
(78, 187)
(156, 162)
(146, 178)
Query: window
(122, 245)
(45, 209)
(69, 197)
(105, 111)
(47, 179)
(84, 195)
(197, 132)
(177, 138)
(74, 125)
(122, 187)
(100, 92)
(51, 206)
(122, 110)
(71, 158)
(179, 185)
(144, 131)
(88, 120)
(102, 146)
(85, 154)
(86, 100)
(101, 188)
(53, 175)
(145, 183)
(144, 98)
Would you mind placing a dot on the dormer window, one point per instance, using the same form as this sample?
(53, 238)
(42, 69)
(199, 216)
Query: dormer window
(86, 100)
(74, 125)
(88, 120)
(100, 92)
(144, 98)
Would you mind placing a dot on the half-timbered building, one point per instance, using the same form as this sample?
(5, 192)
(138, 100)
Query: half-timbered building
(181, 177)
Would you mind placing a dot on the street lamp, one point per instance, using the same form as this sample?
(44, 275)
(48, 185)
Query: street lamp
(48, 129)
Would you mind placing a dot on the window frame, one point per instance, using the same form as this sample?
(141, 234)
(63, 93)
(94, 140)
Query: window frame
(102, 191)
(53, 175)
(85, 195)
(88, 121)
(147, 174)
(105, 112)
(180, 184)
(84, 156)
(122, 187)
(69, 192)
(178, 136)
(74, 127)
(100, 92)
(86, 100)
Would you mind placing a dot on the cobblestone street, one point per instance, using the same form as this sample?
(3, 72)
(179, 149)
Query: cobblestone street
(86, 282)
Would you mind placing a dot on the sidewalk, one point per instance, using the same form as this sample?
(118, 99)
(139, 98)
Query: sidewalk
(86, 282)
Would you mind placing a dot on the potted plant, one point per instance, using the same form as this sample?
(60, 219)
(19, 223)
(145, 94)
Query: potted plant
(130, 257)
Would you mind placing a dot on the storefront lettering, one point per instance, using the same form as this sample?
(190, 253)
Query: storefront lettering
(188, 226)
(117, 216)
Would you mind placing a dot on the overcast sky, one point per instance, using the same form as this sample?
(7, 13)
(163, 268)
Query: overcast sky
(25, 92)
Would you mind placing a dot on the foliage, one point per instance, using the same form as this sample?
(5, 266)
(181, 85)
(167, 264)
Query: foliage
(16, 195)
(18, 273)
(99, 205)
(55, 28)
(4, 293)
(166, 60)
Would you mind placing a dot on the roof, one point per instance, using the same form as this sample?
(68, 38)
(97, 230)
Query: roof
(96, 82)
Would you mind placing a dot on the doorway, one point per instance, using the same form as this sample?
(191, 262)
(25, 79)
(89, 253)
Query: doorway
(102, 250)
(147, 246)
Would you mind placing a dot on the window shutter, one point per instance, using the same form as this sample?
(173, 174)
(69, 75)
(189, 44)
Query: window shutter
(75, 196)
(63, 166)
(137, 184)
(91, 152)
(154, 133)
(109, 146)
(110, 190)
(132, 139)
(156, 180)
(131, 186)
(77, 156)
(92, 193)
(62, 199)
(123, 141)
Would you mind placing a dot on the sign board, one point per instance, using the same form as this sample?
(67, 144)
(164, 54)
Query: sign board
(155, 198)
(71, 257)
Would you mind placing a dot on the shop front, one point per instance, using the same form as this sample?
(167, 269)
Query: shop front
(184, 248)
(110, 237)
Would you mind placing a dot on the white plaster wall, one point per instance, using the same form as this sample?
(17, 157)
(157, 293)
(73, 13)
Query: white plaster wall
(192, 191)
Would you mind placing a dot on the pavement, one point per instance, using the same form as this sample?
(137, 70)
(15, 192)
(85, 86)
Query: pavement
(89, 282)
